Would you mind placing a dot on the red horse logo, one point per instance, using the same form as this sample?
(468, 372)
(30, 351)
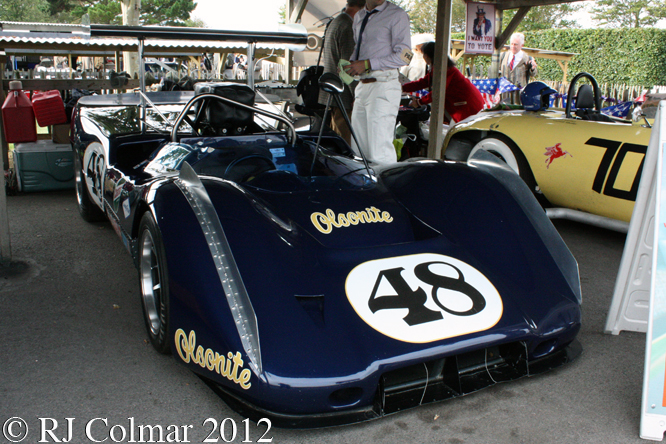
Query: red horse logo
(553, 152)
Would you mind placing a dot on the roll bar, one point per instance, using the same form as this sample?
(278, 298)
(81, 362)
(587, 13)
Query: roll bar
(195, 99)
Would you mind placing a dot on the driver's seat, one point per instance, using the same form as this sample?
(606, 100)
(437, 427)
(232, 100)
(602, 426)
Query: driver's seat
(585, 105)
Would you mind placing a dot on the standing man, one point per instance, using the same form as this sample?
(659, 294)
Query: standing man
(339, 44)
(517, 66)
(381, 31)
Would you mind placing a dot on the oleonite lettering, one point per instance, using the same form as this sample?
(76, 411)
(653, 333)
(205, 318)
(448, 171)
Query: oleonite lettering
(229, 366)
(324, 222)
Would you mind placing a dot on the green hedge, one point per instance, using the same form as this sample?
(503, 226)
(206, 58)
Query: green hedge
(630, 56)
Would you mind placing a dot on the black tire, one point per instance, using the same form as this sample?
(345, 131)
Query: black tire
(87, 208)
(518, 163)
(154, 280)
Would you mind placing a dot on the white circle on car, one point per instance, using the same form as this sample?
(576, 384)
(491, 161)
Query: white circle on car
(423, 297)
(94, 171)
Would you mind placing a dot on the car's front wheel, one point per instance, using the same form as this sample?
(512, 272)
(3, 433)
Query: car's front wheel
(153, 275)
(500, 149)
(508, 152)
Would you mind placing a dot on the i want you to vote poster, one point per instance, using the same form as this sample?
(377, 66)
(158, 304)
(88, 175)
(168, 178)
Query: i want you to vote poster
(480, 28)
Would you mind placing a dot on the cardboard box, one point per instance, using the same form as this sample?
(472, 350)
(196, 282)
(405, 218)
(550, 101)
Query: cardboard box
(60, 133)
(44, 166)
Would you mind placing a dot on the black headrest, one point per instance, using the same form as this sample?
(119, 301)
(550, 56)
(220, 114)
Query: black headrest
(585, 97)
(219, 117)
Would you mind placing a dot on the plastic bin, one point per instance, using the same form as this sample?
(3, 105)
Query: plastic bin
(49, 108)
(44, 166)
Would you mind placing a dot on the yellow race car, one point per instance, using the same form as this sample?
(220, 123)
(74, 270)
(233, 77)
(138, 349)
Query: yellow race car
(581, 165)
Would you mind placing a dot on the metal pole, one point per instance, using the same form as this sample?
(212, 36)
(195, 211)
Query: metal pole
(142, 83)
(142, 68)
(493, 71)
(442, 47)
(4, 147)
(5, 244)
(250, 64)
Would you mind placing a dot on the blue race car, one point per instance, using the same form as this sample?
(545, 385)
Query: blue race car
(308, 286)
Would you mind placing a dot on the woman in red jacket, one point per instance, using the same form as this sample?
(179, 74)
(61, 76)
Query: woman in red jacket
(463, 99)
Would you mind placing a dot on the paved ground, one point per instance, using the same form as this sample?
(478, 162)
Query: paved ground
(73, 346)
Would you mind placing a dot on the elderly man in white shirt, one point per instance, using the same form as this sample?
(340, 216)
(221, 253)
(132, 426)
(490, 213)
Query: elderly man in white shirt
(382, 36)
(517, 66)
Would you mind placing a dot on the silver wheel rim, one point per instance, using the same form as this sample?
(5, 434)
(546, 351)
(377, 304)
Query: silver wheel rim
(499, 149)
(78, 182)
(151, 285)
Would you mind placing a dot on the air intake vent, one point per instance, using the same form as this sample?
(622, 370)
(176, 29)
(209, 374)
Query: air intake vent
(451, 377)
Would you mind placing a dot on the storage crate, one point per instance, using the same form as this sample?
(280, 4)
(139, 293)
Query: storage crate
(44, 166)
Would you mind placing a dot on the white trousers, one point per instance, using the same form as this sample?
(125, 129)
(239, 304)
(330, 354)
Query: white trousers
(373, 119)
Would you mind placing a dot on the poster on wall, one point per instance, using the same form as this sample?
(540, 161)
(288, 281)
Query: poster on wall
(480, 28)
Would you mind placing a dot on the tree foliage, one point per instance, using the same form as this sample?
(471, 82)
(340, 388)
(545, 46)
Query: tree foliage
(153, 12)
(545, 17)
(628, 13)
(106, 12)
(57, 7)
(24, 11)
(634, 57)
(423, 15)
(166, 12)
(195, 23)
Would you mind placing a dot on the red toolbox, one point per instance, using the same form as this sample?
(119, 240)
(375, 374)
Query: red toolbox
(49, 108)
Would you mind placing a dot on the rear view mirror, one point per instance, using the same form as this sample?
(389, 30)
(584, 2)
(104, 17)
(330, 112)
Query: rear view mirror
(330, 82)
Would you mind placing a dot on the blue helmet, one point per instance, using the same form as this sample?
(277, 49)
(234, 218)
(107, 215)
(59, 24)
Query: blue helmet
(536, 96)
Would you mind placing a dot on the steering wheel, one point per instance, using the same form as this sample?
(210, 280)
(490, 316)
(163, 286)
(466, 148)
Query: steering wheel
(595, 87)
(247, 168)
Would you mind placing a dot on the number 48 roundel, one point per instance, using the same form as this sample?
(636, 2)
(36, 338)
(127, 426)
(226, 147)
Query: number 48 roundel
(423, 297)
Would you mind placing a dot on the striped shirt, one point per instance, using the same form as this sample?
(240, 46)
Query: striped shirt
(385, 37)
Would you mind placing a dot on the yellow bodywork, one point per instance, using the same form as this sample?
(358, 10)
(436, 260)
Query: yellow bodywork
(579, 164)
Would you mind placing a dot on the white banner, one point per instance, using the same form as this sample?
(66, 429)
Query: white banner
(653, 409)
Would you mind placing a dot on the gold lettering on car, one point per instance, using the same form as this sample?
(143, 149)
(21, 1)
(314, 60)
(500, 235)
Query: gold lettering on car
(229, 366)
(325, 222)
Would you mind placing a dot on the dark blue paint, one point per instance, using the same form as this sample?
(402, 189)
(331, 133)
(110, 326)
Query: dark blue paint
(312, 340)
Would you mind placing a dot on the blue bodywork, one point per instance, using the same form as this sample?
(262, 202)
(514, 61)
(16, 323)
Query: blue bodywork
(293, 342)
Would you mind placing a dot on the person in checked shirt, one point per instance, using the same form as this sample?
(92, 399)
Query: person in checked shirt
(339, 44)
